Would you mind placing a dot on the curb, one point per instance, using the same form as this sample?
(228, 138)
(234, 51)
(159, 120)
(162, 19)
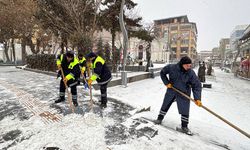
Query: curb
(115, 82)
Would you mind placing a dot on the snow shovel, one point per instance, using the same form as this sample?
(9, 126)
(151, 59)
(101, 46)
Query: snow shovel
(69, 94)
(216, 115)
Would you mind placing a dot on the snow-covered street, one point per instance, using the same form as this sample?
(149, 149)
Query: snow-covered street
(116, 128)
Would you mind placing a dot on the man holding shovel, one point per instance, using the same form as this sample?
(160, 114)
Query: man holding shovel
(182, 77)
(101, 74)
(83, 67)
(69, 66)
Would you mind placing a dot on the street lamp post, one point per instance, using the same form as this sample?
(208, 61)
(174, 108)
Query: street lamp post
(125, 43)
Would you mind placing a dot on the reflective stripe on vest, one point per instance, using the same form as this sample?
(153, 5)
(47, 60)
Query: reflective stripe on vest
(72, 64)
(82, 60)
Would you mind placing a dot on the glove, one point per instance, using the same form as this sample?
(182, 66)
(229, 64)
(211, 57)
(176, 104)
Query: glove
(59, 66)
(198, 103)
(169, 85)
(65, 80)
(90, 82)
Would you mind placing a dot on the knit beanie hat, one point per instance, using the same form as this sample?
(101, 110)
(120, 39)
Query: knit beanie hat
(70, 54)
(91, 55)
(185, 60)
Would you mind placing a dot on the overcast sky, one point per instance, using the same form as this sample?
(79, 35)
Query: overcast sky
(215, 19)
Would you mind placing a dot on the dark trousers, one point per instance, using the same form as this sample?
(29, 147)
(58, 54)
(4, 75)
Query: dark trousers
(103, 89)
(202, 78)
(164, 110)
(72, 84)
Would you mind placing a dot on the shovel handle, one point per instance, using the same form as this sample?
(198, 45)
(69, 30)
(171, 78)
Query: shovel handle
(69, 95)
(213, 113)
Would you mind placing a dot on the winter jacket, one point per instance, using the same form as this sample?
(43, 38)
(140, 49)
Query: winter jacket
(202, 71)
(101, 72)
(184, 81)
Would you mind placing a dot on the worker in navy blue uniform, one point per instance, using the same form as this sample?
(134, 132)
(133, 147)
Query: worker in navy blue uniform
(182, 77)
(70, 66)
(101, 74)
(83, 65)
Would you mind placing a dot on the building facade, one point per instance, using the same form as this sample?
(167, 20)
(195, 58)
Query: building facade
(236, 34)
(244, 46)
(244, 43)
(216, 60)
(224, 46)
(179, 36)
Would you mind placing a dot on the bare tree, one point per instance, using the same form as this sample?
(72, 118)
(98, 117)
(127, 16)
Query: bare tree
(72, 20)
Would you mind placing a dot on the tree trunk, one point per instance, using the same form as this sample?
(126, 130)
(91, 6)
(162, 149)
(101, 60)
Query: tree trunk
(31, 45)
(148, 56)
(38, 44)
(13, 49)
(6, 49)
(114, 53)
(62, 47)
(43, 48)
(24, 54)
(63, 44)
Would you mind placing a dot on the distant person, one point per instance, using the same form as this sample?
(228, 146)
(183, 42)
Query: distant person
(199, 63)
(209, 69)
(182, 77)
(202, 72)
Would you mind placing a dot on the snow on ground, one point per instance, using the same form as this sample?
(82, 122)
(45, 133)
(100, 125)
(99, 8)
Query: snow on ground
(19, 129)
(74, 132)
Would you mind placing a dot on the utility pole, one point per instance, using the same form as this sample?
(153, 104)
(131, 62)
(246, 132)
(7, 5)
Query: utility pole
(125, 44)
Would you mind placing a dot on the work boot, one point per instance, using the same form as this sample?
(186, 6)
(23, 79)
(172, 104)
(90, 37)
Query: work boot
(103, 102)
(103, 105)
(61, 99)
(159, 119)
(75, 103)
(184, 130)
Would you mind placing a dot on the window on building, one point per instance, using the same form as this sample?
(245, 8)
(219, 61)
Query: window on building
(165, 34)
(184, 35)
(184, 41)
(174, 38)
(184, 49)
(174, 27)
(182, 20)
(185, 27)
(173, 50)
